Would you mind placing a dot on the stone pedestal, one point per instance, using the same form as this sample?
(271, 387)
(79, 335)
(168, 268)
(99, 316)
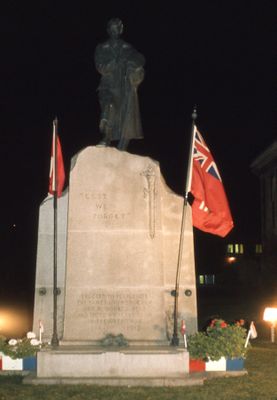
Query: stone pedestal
(135, 362)
(122, 247)
(136, 366)
(121, 226)
(43, 307)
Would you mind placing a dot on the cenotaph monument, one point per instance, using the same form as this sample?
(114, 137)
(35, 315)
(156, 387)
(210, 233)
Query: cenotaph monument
(119, 228)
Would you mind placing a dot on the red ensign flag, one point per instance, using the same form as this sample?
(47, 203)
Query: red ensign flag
(210, 208)
(56, 178)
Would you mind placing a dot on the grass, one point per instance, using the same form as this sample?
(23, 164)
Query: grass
(260, 383)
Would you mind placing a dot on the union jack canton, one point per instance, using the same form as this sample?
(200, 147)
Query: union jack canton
(202, 154)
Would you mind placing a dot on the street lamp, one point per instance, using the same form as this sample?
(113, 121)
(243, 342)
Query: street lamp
(270, 315)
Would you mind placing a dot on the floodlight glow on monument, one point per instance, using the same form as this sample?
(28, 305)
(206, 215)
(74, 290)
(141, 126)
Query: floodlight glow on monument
(5, 320)
(13, 321)
(2, 322)
(270, 314)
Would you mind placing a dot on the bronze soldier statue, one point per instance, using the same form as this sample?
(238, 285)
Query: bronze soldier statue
(121, 69)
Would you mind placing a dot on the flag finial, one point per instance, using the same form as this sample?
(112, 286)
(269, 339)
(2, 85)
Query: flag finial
(194, 114)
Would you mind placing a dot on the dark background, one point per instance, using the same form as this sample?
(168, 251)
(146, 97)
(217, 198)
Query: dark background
(216, 54)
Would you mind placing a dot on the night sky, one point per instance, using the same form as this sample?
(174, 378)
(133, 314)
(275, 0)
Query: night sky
(216, 54)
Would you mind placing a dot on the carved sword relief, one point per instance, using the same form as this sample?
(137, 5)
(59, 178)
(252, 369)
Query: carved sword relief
(149, 174)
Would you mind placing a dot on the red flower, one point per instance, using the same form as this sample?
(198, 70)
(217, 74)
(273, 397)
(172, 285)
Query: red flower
(223, 324)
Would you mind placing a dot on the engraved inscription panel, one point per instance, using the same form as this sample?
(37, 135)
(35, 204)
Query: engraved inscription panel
(131, 313)
(102, 209)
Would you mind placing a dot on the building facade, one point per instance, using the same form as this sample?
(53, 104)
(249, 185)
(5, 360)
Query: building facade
(265, 167)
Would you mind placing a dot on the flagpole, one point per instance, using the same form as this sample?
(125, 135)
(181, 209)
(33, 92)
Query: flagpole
(247, 338)
(190, 160)
(55, 340)
(175, 339)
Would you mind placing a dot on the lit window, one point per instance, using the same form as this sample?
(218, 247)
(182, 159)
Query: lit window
(239, 248)
(209, 279)
(206, 279)
(258, 249)
(201, 279)
(230, 248)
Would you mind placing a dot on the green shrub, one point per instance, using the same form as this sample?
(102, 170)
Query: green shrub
(219, 340)
(198, 346)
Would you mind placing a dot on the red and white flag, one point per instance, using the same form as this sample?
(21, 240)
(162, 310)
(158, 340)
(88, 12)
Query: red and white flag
(253, 331)
(57, 174)
(252, 334)
(183, 327)
(183, 332)
(210, 208)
